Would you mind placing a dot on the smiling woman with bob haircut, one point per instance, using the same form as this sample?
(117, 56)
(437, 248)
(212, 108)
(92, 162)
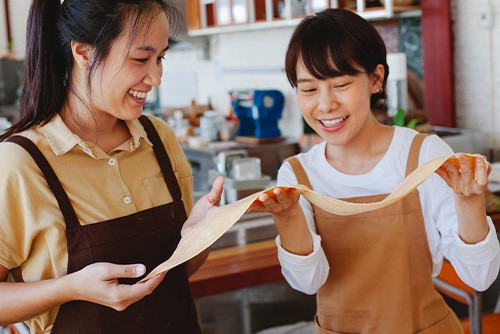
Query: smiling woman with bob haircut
(95, 195)
(372, 272)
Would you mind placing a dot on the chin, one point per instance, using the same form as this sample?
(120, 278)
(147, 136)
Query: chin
(131, 114)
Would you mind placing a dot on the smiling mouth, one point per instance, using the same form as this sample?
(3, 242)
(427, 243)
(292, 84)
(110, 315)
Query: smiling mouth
(333, 122)
(138, 94)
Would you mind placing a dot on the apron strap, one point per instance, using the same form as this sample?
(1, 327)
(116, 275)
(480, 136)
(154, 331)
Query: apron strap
(299, 171)
(162, 158)
(416, 144)
(50, 176)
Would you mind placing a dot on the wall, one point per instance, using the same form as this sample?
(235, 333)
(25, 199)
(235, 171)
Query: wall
(3, 31)
(19, 10)
(239, 60)
(477, 69)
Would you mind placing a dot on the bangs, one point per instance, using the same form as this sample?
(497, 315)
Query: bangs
(326, 55)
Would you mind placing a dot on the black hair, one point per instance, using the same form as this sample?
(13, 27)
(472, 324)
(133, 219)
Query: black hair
(333, 43)
(49, 59)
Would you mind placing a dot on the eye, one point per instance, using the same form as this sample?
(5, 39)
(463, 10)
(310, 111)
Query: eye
(141, 60)
(342, 85)
(308, 90)
(160, 59)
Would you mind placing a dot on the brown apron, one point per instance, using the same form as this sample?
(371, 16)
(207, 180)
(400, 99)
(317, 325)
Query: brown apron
(147, 237)
(380, 278)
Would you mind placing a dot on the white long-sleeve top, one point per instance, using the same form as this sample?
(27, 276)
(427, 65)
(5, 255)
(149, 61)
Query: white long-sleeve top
(477, 264)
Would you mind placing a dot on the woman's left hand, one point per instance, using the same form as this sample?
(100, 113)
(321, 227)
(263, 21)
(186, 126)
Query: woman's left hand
(203, 205)
(467, 176)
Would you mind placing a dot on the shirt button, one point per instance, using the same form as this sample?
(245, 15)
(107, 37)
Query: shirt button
(112, 161)
(127, 200)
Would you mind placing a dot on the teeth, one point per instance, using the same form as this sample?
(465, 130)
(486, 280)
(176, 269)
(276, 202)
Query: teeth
(138, 94)
(333, 122)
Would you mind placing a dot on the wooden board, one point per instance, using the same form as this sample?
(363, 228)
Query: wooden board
(237, 267)
(258, 141)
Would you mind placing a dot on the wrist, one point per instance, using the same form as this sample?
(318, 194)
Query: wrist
(68, 288)
(285, 216)
(476, 200)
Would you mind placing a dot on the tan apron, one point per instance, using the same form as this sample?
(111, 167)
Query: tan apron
(380, 278)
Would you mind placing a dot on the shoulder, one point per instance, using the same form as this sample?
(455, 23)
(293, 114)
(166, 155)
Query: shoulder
(432, 146)
(310, 161)
(19, 173)
(16, 159)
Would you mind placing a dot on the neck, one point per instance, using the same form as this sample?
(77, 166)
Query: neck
(363, 151)
(93, 125)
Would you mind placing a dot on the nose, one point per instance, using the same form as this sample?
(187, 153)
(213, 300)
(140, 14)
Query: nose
(327, 102)
(153, 77)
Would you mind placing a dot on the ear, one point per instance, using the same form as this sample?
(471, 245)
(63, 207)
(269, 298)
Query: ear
(378, 79)
(82, 54)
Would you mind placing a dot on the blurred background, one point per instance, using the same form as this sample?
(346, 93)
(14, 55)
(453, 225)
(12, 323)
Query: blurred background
(225, 93)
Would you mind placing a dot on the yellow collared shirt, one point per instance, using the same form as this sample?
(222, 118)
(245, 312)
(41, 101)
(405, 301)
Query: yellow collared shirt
(100, 187)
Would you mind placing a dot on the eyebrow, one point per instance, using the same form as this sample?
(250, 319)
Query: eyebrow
(303, 80)
(151, 49)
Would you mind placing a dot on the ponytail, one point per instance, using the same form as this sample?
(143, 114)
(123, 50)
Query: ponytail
(45, 68)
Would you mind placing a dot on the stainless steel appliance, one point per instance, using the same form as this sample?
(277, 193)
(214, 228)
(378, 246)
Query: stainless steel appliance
(203, 160)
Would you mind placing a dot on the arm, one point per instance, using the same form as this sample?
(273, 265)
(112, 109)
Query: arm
(96, 283)
(303, 261)
(21, 301)
(467, 236)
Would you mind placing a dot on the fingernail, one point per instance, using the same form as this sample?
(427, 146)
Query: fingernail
(276, 191)
(262, 197)
(140, 270)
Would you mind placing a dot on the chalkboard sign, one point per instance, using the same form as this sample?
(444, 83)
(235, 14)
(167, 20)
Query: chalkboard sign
(410, 42)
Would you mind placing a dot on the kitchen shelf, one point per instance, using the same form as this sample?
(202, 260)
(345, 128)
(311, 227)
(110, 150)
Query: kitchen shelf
(389, 11)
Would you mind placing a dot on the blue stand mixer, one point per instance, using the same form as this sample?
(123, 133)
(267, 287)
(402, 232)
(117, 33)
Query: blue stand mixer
(258, 112)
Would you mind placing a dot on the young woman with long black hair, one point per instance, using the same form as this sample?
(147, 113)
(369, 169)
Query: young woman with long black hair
(372, 272)
(94, 194)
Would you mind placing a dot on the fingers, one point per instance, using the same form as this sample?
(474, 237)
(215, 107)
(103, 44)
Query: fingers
(466, 174)
(215, 194)
(112, 271)
(482, 172)
(466, 167)
(278, 200)
(127, 295)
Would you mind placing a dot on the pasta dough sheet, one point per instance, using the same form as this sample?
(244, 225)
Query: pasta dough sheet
(220, 219)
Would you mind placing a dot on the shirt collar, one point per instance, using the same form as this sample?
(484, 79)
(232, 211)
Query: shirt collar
(62, 140)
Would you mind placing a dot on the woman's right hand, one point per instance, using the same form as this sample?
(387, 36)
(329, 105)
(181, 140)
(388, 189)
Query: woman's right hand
(288, 217)
(281, 202)
(98, 283)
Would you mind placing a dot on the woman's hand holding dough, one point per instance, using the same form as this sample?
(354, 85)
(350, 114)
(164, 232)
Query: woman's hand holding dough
(467, 175)
(280, 202)
(98, 283)
(204, 204)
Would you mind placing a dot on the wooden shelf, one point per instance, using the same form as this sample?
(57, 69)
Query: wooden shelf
(370, 14)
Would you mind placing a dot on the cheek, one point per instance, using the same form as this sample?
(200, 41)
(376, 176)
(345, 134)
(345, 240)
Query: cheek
(306, 104)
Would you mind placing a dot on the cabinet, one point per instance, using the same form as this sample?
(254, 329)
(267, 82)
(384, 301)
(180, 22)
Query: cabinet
(208, 17)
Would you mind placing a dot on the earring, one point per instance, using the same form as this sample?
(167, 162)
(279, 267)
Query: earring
(380, 90)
